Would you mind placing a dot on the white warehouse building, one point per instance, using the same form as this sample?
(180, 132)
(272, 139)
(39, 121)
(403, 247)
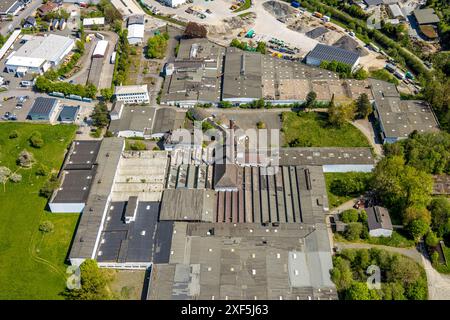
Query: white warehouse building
(100, 49)
(132, 94)
(135, 34)
(38, 54)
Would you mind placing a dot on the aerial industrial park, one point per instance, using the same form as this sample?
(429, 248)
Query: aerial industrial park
(224, 150)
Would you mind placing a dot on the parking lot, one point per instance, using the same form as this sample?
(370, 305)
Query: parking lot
(10, 102)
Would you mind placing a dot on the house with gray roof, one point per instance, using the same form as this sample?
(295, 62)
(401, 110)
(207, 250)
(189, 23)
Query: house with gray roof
(379, 221)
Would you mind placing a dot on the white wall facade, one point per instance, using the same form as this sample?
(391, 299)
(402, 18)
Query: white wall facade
(380, 233)
(347, 167)
(130, 98)
(66, 207)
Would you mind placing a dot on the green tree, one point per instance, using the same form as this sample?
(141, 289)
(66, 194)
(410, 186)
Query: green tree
(36, 140)
(311, 99)
(341, 274)
(350, 215)
(94, 283)
(107, 94)
(353, 231)
(363, 106)
(431, 239)
(339, 115)
(46, 226)
(156, 47)
(138, 145)
(440, 215)
(13, 134)
(261, 47)
(358, 291)
(418, 228)
(100, 115)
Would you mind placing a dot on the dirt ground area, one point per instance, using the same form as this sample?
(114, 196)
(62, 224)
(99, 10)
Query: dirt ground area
(128, 284)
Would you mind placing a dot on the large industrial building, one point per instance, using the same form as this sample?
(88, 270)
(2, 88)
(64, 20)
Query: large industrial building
(398, 118)
(214, 231)
(196, 76)
(144, 122)
(39, 53)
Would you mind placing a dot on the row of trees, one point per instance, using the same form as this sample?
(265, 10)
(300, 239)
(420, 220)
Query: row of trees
(45, 85)
(344, 70)
(260, 46)
(123, 61)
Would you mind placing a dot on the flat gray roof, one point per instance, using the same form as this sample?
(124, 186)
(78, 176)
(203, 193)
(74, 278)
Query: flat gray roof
(197, 75)
(399, 117)
(134, 118)
(142, 240)
(86, 235)
(168, 119)
(426, 16)
(246, 261)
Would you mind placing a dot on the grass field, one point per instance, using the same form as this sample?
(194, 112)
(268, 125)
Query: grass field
(31, 264)
(312, 130)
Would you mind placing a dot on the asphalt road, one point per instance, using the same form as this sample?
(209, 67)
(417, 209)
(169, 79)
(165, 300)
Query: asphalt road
(7, 26)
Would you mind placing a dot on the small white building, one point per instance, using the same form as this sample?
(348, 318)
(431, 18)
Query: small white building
(100, 49)
(135, 34)
(379, 222)
(90, 22)
(174, 3)
(132, 94)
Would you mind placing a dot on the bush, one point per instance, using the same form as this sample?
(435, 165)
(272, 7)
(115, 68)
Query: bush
(138, 145)
(13, 134)
(46, 226)
(47, 189)
(353, 231)
(36, 140)
(25, 159)
(350, 215)
(42, 170)
(15, 177)
(431, 239)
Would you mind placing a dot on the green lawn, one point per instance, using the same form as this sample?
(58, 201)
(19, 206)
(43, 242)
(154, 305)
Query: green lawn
(312, 130)
(32, 265)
